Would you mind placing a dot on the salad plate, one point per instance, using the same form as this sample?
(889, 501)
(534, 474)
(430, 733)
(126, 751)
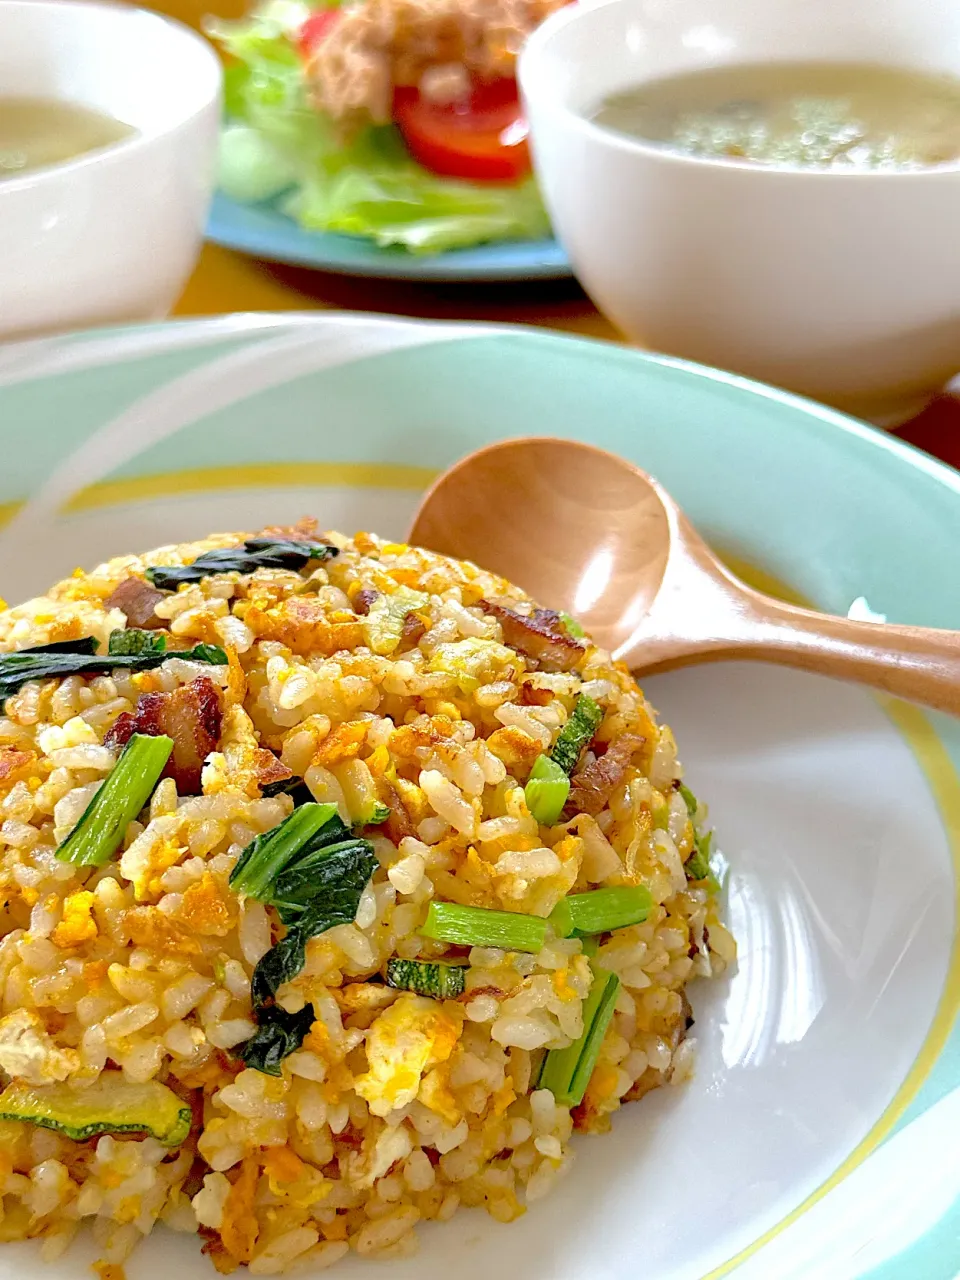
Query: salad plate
(265, 231)
(812, 1141)
(326, 164)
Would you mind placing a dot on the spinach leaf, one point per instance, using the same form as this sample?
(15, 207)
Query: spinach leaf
(80, 657)
(323, 888)
(313, 872)
(278, 1034)
(294, 786)
(281, 964)
(87, 645)
(256, 553)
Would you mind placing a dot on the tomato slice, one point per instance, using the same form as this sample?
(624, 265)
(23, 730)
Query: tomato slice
(483, 138)
(316, 27)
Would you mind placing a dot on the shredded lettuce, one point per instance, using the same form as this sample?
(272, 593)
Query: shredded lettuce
(276, 146)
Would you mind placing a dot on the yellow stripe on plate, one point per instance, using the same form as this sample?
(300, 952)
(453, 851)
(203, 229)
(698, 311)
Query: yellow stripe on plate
(257, 475)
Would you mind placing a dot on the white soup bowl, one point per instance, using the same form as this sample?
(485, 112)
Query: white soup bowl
(111, 235)
(841, 285)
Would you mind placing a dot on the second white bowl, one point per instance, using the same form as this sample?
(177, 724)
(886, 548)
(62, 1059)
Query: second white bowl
(844, 286)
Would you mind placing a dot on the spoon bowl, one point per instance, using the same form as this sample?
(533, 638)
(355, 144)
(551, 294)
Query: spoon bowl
(587, 532)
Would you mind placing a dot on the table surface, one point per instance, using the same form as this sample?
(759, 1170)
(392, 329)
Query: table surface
(226, 281)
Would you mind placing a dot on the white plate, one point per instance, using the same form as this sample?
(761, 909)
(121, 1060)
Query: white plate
(836, 811)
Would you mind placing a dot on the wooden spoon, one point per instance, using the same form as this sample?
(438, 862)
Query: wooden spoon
(584, 531)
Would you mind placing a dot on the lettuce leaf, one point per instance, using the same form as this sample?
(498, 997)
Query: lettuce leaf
(277, 146)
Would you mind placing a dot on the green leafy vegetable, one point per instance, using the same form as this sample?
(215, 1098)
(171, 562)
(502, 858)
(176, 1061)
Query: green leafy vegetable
(577, 733)
(572, 625)
(278, 146)
(129, 785)
(313, 871)
(600, 910)
(127, 650)
(478, 927)
(566, 1072)
(323, 887)
(256, 553)
(442, 981)
(278, 1034)
(134, 643)
(546, 791)
(293, 786)
(266, 856)
(697, 865)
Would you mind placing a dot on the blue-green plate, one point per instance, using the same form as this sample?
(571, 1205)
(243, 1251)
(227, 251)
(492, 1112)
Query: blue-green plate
(263, 231)
(818, 1136)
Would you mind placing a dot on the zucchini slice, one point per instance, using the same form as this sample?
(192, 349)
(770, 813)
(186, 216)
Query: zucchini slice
(441, 981)
(110, 1105)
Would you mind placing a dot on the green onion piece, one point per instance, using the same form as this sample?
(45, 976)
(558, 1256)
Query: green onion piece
(601, 910)
(689, 799)
(265, 857)
(577, 733)
(478, 927)
(442, 981)
(566, 1072)
(590, 946)
(546, 791)
(697, 865)
(100, 831)
(572, 625)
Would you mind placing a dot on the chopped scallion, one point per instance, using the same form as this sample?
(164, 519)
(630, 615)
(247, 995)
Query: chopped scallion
(689, 799)
(577, 733)
(478, 927)
(546, 791)
(566, 1072)
(697, 865)
(572, 625)
(100, 831)
(601, 910)
(442, 981)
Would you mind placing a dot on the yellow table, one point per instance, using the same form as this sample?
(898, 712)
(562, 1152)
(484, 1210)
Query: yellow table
(228, 281)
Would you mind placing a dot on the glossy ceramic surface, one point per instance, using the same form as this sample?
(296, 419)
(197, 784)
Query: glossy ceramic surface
(111, 235)
(265, 232)
(810, 1144)
(840, 285)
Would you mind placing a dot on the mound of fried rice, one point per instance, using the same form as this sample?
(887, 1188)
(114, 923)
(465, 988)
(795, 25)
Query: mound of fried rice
(397, 1108)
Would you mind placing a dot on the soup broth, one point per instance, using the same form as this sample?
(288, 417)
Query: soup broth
(35, 132)
(808, 114)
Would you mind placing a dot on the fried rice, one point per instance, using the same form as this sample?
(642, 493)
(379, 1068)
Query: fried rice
(414, 693)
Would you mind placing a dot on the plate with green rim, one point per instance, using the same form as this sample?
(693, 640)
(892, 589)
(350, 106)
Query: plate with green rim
(812, 1140)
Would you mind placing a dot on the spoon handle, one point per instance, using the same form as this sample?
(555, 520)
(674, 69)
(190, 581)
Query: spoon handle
(921, 664)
